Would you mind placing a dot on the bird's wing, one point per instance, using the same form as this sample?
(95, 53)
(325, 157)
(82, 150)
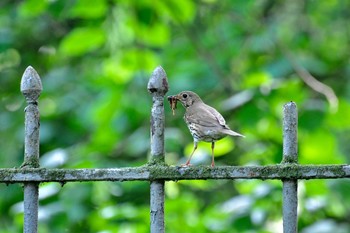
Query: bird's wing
(205, 115)
(217, 115)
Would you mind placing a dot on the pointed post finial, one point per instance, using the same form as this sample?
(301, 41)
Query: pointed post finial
(158, 83)
(31, 86)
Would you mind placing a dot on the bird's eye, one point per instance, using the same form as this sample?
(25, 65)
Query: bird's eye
(184, 96)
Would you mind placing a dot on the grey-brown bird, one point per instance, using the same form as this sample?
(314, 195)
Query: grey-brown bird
(204, 122)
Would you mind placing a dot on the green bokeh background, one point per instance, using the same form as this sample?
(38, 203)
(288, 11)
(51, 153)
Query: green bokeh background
(245, 58)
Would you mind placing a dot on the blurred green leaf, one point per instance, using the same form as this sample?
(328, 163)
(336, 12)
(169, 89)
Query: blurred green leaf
(9, 58)
(318, 148)
(173, 9)
(82, 40)
(256, 79)
(32, 8)
(84, 9)
(339, 120)
(154, 35)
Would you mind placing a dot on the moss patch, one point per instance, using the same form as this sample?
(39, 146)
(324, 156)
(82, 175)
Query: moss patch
(157, 160)
(31, 163)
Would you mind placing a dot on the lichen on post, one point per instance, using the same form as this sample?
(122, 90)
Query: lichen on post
(290, 156)
(157, 87)
(290, 133)
(31, 88)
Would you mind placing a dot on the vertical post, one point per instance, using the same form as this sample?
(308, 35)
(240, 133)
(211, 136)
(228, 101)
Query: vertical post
(290, 155)
(31, 88)
(157, 87)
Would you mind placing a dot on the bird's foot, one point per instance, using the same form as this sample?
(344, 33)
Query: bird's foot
(186, 165)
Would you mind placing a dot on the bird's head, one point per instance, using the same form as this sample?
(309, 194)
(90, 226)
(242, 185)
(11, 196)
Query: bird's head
(188, 98)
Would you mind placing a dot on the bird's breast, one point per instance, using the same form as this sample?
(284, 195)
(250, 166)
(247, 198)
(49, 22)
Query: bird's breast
(206, 134)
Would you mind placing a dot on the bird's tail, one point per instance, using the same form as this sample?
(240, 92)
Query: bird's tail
(233, 133)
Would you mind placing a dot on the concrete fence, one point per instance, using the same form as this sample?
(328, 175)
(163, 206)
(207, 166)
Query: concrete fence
(156, 171)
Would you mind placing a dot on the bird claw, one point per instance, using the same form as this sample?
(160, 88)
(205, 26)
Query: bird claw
(186, 165)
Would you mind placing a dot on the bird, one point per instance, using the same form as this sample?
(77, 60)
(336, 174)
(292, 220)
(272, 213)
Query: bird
(204, 122)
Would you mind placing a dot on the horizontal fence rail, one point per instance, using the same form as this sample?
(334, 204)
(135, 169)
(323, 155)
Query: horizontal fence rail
(174, 173)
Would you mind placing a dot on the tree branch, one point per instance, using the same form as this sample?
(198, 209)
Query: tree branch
(313, 83)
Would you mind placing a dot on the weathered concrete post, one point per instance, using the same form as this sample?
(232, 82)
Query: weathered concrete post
(157, 87)
(31, 88)
(290, 155)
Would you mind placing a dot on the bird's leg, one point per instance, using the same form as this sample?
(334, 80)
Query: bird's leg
(194, 149)
(212, 154)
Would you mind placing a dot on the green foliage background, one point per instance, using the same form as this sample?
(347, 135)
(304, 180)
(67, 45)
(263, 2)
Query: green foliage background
(245, 58)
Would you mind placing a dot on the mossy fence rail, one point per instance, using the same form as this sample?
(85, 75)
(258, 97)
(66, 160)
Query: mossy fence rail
(156, 171)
